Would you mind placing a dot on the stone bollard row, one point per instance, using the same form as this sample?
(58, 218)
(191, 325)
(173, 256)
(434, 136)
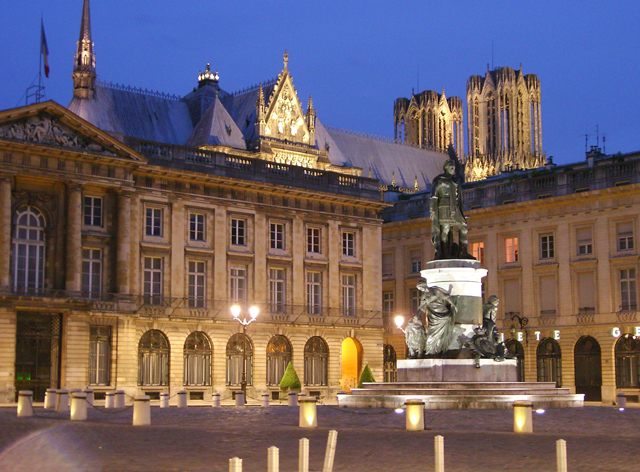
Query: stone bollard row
(240, 398)
(164, 400)
(293, 398)
(78, 406)
(182, 399)
(110, 400)
(50, 399)
(264, 399)
(141, 410)
(215, 400)
(89, 393)
(438, 445)
(62, 400)
(25, 403)
(119, 399)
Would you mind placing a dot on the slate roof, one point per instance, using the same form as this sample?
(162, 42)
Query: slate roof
(216, 127)
(242, 108)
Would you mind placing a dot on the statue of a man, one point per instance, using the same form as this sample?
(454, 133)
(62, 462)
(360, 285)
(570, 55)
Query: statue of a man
(447, 215)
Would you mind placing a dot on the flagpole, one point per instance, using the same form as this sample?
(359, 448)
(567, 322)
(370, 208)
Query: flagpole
(40, 55)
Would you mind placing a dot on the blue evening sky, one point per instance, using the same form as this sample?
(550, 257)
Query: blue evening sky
(354, 57)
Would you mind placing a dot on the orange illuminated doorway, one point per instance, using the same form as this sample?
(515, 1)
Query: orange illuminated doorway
(351, 364)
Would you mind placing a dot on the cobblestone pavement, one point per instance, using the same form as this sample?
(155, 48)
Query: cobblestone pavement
(372, 440)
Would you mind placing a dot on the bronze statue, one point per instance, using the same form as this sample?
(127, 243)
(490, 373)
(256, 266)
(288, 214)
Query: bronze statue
(486, 342)
(441, 313)
(415, 336)
(446, 212)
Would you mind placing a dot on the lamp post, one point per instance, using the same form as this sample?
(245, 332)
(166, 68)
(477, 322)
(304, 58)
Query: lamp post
(522, 321)
(399, 320)
(253, 312)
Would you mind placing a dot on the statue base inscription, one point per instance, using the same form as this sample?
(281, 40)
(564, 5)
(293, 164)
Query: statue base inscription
(457, 370)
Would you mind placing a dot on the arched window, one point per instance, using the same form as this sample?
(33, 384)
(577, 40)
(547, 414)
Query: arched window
(390, 368)
(153, 359)
(28, 250)
(197, 360)
(278, 357)
(316, 360)
(549, 362)
(627, 362)
(516, 350)
(236, 347)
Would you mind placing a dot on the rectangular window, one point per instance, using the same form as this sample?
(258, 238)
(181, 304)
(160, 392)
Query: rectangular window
(93, 211)
(584, 242)
(197, 227)
(625, 236)
(349, 244)
(628, 289)
(586, 293)
(153, 224)
(548, 302)
(153, 280)
(197, 278)
(238, 232)
(91, 272)
(414, 298)
(387, 265)
(387, 303)
(348, 295)
(277, 236)
(99, 354)
(546, 246)
(512, 297)
(416, 261)
(314, 293)
(313, 240)
(238, 284)
(477, 251)
(277, 290)
(511, 250)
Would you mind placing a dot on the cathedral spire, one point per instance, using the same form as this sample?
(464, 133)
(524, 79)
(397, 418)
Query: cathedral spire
(84, 64)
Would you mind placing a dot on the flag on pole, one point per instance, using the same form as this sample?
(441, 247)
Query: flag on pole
(44, 49)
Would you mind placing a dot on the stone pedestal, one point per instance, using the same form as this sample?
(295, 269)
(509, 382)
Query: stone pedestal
(457, 370)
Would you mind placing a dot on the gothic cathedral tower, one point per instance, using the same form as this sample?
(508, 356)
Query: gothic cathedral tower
(84, 62)
(430, 121)
(504, 123)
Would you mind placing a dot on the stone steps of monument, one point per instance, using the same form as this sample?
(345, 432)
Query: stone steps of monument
(456, 391)
(461, 385)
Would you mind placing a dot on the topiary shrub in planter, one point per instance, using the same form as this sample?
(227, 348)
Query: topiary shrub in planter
(290, 380)
(367, 376)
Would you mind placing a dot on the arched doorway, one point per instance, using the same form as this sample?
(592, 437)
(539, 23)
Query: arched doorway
(351, 364)
(516, 350)
(588, 368)
(390, 364)
(627, 362)
(316, 362)
(549, 361)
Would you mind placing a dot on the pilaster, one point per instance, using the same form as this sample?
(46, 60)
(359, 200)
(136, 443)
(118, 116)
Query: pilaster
(74, 238)
(5, 232)
(123, 274)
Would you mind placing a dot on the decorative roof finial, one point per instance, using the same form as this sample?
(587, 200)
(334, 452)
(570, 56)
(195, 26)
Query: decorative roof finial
(84, 63)
(393, 178)
(208, 77)
(369, 171)
(285, 56)
(415, 184)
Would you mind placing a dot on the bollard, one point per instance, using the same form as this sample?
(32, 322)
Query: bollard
(215, 400)
(439, 452)
(265, 399)
(50, 399)
(330, 453)
(62, 401)
(293, 398)
(273, 459)
(89, 393)
(141, 410)
(164, 400)
(78, 406)
(235, 465)
(522, 421)
(25, 403)
(239, 398)
(303, 455)
(110, 400)
(308, 412)
(621, 400)
(182, 399)
(561, 455)
(119, 403)
(415, 415)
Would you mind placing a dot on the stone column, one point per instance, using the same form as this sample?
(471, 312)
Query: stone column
(123, 275)
(74, 239)
(5, 232)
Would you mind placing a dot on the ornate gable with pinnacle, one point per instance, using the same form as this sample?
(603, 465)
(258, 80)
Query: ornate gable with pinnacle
(50, 124)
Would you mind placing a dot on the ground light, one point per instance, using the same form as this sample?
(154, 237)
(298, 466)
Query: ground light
(540, 411)
(399, 411)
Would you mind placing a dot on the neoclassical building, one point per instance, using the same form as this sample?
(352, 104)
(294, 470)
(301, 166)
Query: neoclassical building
(560, 247)
(132, 221)
(430, 120)
(504, 123)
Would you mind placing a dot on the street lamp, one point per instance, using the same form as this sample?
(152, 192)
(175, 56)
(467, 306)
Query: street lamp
(399, 322)
(523, 324)
(253, 312)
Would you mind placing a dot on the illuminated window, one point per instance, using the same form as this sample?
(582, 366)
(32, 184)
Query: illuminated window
(584, 241)
(197, 277)
(316, 360)
(627, 289)
(511, 249)
(236, 347)
(28, 250)
(91, 272)
(277, 236)
(153, 359)
(625, 236)
(196, 227)
(93, 211)
(477, 251)
(278, 357)
(348, 244)
(197, 360)
(546, 247)
(153, 223)
(238, 232)
(313, 240)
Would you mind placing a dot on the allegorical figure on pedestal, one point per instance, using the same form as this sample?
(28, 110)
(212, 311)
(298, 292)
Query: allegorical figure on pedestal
(415, 336)
(446, 212)
(441, 313)
(486, 342)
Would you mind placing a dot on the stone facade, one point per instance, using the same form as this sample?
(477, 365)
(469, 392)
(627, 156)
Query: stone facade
(560, 247)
